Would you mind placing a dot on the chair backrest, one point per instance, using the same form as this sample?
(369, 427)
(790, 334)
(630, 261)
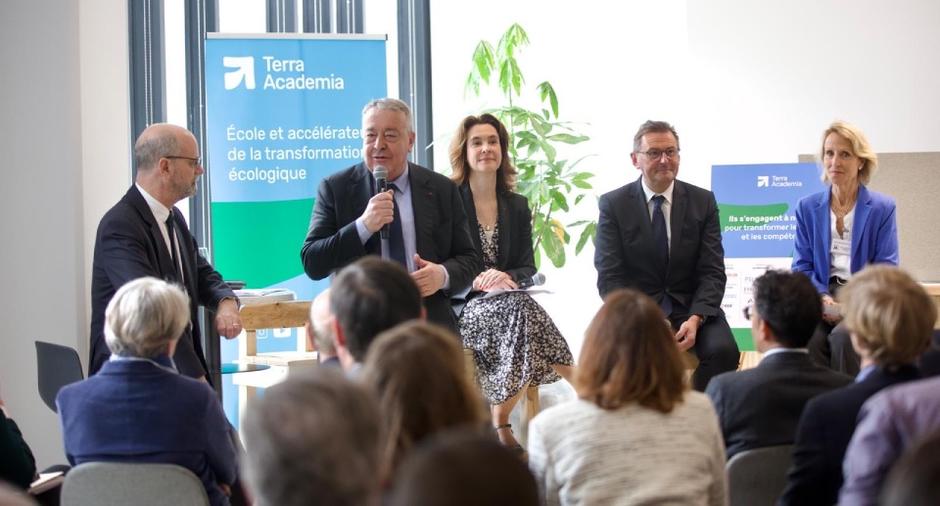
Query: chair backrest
(117, 483)
(757, 477)
(57, 366)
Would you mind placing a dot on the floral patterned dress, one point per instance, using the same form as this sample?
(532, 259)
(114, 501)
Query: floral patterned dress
(513, 339)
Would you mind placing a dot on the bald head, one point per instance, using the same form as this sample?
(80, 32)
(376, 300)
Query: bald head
(168, 162)
(321, 325)
(159, 140)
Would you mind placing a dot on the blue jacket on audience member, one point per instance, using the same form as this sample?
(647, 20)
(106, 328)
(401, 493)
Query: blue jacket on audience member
(874, 234)
(137, 410)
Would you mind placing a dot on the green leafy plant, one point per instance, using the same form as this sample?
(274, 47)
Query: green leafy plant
(545, 179)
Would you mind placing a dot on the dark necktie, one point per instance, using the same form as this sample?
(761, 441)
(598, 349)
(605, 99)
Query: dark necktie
(661, 246)
(396, 240)
(171, 232)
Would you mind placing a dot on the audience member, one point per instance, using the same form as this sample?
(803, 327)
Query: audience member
(145, 235)
(839, 231)
(915, 479)
(418, 371)
(17, 464)
(320, 329)
(890, 318)
(889, 422)
(661, 236)
(367, 297)
(636, 435)
(423, 218)
(761, 406)
(462, 468)
(515, 343)
(138, 408)
(313, 439)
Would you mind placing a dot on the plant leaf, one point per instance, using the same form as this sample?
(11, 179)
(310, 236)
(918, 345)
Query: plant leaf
(547, 91)
(559, 200)
(568, 138)
(553, 247)
(586, 235)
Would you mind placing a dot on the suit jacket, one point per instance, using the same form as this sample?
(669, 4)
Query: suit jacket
(515, 255)
(761, 406)
(823, 435)
(441, 231)
(17, 464)
(625, 256)
(874, 234)
(137, 411)
(128, 246)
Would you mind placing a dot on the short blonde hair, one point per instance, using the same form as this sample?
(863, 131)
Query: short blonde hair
(144, 317)
(889, 314)
(860, 148)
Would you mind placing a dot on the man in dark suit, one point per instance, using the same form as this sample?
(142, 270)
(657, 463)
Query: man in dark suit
(661, 236)
(761, 406)
(427, 225)
(145, 235)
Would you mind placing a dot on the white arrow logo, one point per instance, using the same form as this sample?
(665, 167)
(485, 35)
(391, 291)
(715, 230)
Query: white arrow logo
(761, 180)
(244, 71)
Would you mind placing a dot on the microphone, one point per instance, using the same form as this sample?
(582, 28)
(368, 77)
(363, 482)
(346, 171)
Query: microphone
(537, 279)
(381, 184)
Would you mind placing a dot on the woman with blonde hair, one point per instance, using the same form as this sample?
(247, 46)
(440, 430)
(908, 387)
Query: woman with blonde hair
(636, 419)
(841, 230)
(417, 371)
(890, 319)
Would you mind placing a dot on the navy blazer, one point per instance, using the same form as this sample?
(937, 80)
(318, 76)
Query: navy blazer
(129, 245)
(515, 255)
(874, 234)
(137, 411)
(441, 231)
(761, 406)
(823, 435)
(624, 253)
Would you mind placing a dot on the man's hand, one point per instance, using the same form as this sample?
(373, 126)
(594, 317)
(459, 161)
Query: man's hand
(227, 320)
(832, 310)
(379, 212)
(225, 488)
(429, 276)
(685, 336)
(492, 279)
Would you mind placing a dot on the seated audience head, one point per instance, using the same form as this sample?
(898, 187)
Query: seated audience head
(630, 355)
(146, 318)
(889, 316)
(418, 371)
(369, 296)
(313, 439)
(785, 311)
(463, 468)
(473, 132)
(914, 479)
(320, 326)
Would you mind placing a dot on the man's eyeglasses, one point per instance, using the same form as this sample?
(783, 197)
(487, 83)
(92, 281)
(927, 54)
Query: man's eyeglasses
(196, 161)
(656, 154)
(747, 312)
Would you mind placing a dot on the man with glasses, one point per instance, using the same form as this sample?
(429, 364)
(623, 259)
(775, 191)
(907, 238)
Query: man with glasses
(761, 407)
(661, 236)
(145, 235)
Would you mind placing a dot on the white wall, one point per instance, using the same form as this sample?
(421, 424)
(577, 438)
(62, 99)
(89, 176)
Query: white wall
(743, 81)
(64, 71)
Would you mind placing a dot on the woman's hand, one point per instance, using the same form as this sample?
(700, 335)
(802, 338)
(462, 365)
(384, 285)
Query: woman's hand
(832, 310)
(492, 279)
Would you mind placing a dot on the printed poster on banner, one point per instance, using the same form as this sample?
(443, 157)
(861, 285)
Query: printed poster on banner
(757, 208)
(282, 113)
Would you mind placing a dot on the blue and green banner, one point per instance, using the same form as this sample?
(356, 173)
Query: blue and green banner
(282, 112)
(757, 207)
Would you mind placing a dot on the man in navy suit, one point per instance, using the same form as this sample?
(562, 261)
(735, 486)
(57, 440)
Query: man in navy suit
(761, 406)
(661, 236)
(145, 235)
(424, 211)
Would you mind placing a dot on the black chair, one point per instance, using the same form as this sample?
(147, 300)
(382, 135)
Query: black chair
(57, 366)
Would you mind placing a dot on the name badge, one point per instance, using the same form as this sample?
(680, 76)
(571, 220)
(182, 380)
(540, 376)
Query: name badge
(841, 246)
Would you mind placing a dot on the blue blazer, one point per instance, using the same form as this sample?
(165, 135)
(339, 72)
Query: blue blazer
(874, 234)
(137, 411)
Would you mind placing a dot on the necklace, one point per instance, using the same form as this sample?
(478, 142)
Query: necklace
(840, 211)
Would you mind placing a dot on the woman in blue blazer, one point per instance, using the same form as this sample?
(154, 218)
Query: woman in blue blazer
(841, 230)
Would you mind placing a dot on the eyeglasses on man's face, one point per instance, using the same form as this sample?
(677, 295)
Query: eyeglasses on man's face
(193, 161)
(656, 154)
